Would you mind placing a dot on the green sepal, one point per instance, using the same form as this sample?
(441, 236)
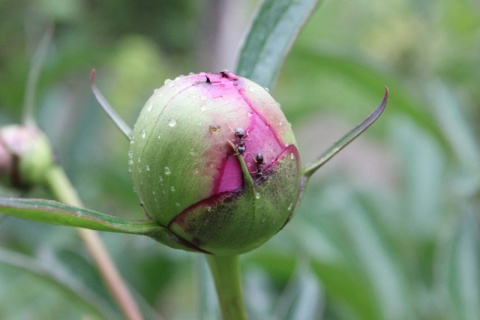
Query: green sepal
(52, 212)
(235, 222)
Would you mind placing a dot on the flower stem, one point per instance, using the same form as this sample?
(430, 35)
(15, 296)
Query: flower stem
(226, 276)
(63, 191)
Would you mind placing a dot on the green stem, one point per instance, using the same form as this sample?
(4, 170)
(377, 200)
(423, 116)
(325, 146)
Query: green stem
(63, 191)
(226, 276)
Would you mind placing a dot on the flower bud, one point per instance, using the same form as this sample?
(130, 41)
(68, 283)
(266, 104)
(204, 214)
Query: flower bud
(213, 159)
(25, 155)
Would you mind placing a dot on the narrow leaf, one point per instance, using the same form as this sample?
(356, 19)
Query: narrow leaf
(52, 212)
(33, 75)
(271, 34)
(112, 114)
(346, 139)
(58, 278)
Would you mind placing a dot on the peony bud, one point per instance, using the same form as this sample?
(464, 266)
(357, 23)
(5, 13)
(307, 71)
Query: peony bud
(25, 155)
(213, 159)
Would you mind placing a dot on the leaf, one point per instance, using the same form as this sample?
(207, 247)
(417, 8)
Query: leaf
(64, 283)
(52, 212)
(112, 114)
(464, 273)
(271, 34)
(347, 138)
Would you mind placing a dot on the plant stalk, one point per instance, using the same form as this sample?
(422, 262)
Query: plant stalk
(226, 276)
(63, 191)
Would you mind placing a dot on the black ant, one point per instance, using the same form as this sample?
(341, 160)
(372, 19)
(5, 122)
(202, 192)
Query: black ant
(240, 134)
(259, 161)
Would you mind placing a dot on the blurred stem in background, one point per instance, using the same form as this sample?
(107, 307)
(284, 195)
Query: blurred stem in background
(64, 192)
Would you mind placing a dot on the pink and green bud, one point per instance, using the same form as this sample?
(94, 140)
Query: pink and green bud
(25, 155)
(213, 159)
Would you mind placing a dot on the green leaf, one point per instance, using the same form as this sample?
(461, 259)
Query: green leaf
(52, 212)
(464, 274)
(112, 114)
(56, 278)
(271, 34)
(347, 138)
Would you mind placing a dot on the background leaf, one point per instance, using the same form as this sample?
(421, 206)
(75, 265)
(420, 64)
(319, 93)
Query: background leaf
(271, 34)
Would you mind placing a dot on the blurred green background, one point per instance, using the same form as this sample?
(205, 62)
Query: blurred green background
(388, 230)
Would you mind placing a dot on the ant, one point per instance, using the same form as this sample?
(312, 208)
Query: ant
(239, 143)
(259, 161)
(240, 134)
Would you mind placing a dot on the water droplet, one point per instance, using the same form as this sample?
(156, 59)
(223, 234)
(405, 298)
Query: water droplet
(132, 141)
(266, 89)
(172, 123)
(160, 178)
(251, 89)
(147, 167)
(280, 123)
(177, 204)
(196, 171)
(203, 108)
(279, 105)
(209, 209)
(214, 128)
(257, 195)
(192, 152)
(143, 134)
(167, 170)
(250, 114)
(203, 98)
(158, 137)
(150, 108)
(172, 188)
(153, 191)
(290, 207)
(167, 81)
(292, 156)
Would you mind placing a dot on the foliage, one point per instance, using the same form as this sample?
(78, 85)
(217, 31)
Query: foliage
(388, 230)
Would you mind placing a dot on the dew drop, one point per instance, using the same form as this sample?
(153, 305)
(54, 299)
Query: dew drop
(147, 167)
(192, 152)
(132, 141)
(257, 195)
(167, 170)
(143, 134)
(266, 89)
(203, 98)
(158, 137)
(290, 207)
(153, 191)
(292, 156)
(172, 188)
(150, 108)
(172, 123)
(214, 128)
(177, 204)
(251, 89)
(250, 114)
(160, 178)
(209, 209)
(167, 81)
(196, 171)
(203, 108)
